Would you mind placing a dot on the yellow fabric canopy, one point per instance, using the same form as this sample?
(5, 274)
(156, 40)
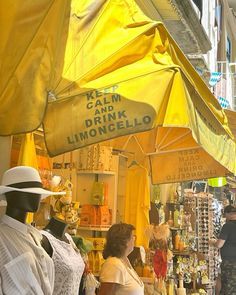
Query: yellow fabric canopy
(231, 116)
(32, 43)
(27, 155)
(112, 73)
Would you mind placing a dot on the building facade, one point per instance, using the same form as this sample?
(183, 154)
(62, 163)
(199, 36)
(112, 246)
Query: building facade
(206, 36)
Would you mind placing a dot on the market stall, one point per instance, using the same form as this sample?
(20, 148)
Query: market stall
(153, 90)
(143, 101)
(98, 191)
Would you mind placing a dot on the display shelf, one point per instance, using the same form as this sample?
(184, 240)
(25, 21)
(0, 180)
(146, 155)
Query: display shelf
(85, 181)
(96, 172)
(94, 228)
(69, 174)
(187, 252)
(177, 228)
(147, 280)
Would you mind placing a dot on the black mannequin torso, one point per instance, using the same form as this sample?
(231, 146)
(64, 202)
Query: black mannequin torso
(57, 228)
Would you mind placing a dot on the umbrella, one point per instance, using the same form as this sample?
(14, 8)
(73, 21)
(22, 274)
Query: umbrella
(32, 46)
(231, 115)
(110, 74)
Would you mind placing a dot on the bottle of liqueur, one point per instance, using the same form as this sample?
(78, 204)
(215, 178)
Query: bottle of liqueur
(161, 215)
(176, 217)
(177, 240)
(171, 219)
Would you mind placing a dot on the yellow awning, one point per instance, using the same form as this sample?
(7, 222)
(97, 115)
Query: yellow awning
(32, 43)
(231, 115)
(121, 74)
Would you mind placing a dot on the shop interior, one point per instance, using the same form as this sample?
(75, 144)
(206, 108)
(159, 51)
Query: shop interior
(173, 221)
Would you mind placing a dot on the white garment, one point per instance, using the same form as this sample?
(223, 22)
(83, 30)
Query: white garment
(115, 271)
(69, 265)
(25, 267)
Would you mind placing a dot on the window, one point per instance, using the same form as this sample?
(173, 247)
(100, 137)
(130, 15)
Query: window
(198, 3)
(199, 186)
(228, 49)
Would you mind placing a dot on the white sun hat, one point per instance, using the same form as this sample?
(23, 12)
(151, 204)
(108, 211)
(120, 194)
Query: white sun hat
(24, 179)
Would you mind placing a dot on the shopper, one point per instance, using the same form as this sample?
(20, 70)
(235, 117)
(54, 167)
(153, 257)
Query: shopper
(25, 267)
(117, 276)
(227, 215)
(228, 210)
(227, 245)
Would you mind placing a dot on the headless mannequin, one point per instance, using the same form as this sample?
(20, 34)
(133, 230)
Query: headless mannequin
(57, 228)
(69, 265)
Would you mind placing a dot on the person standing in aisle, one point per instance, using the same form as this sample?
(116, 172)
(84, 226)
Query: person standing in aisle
(117, 276)
(227, 245)
(25, 267)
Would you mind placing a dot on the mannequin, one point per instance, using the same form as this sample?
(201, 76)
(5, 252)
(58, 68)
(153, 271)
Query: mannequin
(19, 204)
(25, 267)
(57, 228)
(69, 265)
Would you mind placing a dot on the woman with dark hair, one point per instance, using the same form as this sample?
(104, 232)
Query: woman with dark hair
(117, 276)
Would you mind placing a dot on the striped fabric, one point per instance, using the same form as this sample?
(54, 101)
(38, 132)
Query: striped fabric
(215, 78)
(25, 268)
(223, 102)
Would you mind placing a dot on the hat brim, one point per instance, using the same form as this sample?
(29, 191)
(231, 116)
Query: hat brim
(33, 190)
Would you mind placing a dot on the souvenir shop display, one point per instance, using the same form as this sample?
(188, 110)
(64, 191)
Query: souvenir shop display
(191, 217)
(97, 211)
(90, 284)
(158, 244)
(190, 269)
(63, 206)
(96, 180)
(162, 255)
(95, 158)
(178, 258)
(203, 206)
(95, 258)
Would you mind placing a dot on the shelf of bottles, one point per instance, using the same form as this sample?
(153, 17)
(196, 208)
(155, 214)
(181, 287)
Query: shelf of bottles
(182, 240)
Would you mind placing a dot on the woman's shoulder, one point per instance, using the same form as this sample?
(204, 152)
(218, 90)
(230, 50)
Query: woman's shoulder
(111, 265)
(113, 261)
